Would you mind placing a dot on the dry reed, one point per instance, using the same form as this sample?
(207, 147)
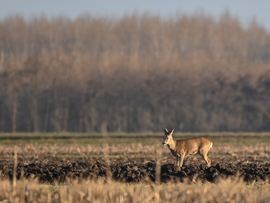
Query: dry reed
(229, 190)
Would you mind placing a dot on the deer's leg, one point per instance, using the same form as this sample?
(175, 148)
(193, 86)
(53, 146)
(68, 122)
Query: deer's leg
(177, 161)
(176, 166)
(181, 160)
(205, 158)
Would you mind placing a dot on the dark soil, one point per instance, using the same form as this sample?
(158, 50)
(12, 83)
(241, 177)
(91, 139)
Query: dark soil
(59, 170)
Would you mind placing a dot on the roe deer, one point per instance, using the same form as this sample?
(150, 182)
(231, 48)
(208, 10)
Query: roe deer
(183, 148)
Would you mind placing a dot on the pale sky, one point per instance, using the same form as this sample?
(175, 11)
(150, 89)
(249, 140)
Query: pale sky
(245, 10)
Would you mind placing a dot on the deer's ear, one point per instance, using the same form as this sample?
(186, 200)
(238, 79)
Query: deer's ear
(171, 132)
(166, 131)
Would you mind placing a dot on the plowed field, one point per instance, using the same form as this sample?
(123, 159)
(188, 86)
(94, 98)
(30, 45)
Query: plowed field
(59, 170)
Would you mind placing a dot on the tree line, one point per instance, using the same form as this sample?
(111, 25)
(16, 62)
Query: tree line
(137, 73)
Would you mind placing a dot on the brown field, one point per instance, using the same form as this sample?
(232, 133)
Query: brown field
(54, 170)
(120, 170)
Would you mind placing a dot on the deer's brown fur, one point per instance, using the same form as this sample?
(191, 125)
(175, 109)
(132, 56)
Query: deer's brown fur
(182, 148)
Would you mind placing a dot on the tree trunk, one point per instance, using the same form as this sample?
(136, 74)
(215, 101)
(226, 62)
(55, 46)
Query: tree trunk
(48, 108)
(82, 114)
(47, 115)
(35, 113)
(66, 114)
(14, 115)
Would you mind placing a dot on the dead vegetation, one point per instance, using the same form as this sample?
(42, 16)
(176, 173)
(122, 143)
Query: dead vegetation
(229, 190)
(131, 149)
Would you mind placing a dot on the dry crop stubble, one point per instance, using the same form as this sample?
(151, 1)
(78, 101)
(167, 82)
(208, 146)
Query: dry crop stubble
(227, 190)
(131, 149)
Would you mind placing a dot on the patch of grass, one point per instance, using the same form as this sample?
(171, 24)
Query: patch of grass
(145, 134)
(84, 141)
(52, 189)
(126, 138)
(70, 135)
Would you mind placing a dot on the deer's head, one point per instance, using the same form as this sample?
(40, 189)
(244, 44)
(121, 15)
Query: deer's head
(168, 136)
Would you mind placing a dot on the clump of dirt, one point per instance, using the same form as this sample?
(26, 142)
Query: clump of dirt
(51, 170)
